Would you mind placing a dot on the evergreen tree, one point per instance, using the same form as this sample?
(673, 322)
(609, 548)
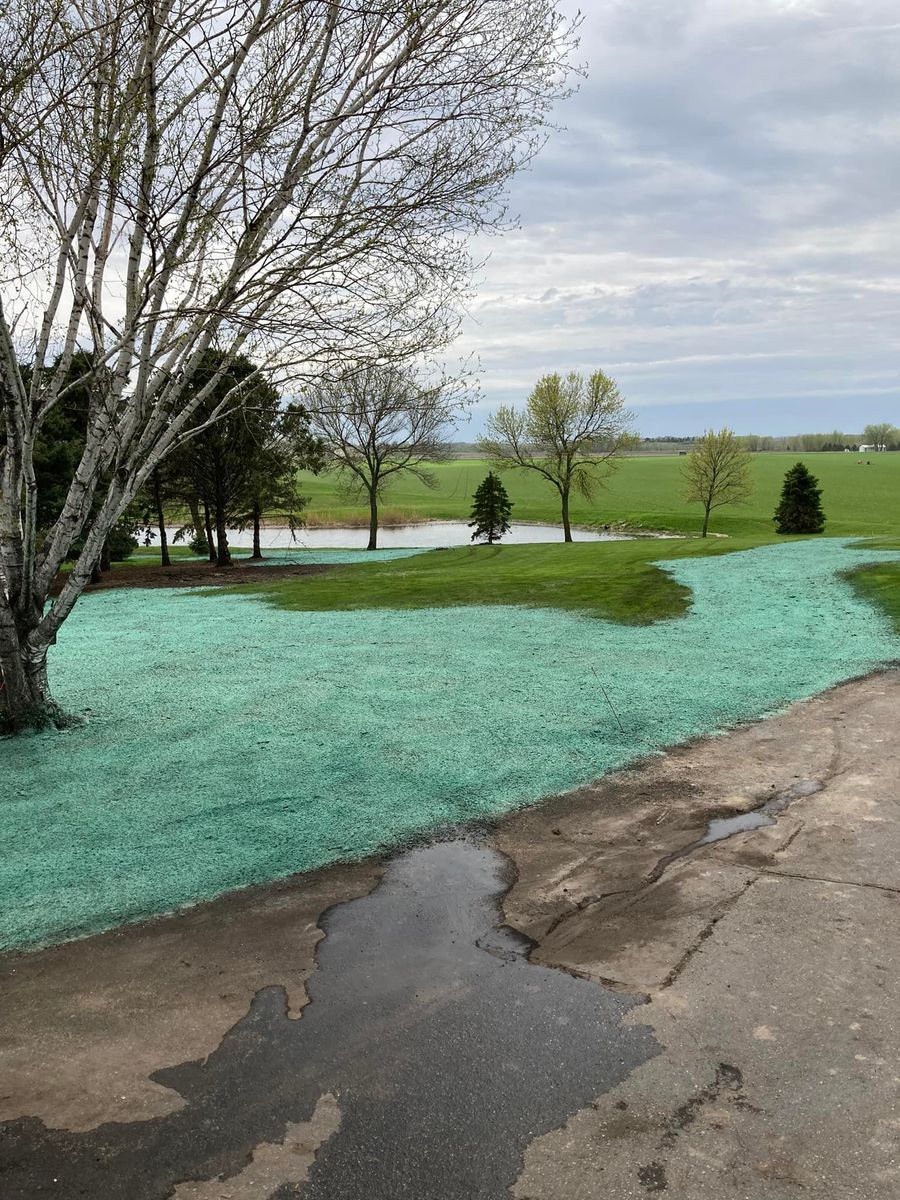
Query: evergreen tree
(800, 509)
(246, 462)
(490, 512)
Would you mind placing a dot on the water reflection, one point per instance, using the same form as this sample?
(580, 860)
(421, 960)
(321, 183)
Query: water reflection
(430, 534)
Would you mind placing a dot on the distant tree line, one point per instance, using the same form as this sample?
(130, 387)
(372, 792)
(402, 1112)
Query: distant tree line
(883, 435)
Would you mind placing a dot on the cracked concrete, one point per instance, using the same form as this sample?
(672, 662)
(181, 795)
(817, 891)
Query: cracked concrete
(774, 954)
(770, 963)
(84, 1025)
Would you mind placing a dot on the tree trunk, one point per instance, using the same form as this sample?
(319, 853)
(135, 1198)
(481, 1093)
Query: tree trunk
(196, 520)
(257, 549)
(705, 522)
(223, 551)
(25, 700)
(207, 526)
(161, 521)
(102, 564)
(373, 521)
(567, 528)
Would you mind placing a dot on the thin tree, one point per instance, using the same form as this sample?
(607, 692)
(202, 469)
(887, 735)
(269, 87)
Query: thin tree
(490, 510)
(377, 422)
(159, 491)
(291, 181)
(716, 472)
(800, 507)
(571, 432)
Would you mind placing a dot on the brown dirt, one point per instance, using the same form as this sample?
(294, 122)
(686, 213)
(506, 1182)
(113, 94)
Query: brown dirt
(196, 574)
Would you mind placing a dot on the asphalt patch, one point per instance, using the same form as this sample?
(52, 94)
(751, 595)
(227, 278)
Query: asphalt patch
(446, 1050)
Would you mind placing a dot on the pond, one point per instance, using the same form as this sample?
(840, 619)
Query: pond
(429, 534)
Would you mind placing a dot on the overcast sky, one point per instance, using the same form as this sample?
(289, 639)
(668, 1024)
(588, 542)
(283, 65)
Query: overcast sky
(718, 224)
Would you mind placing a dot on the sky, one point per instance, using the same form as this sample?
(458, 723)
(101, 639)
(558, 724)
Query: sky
(718, 224)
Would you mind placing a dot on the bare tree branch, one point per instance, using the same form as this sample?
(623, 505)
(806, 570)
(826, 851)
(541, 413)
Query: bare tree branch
(380, 420)
(291, 179)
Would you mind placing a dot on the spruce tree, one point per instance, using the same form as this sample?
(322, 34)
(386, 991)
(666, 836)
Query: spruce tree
(490, 512)
(800, 509)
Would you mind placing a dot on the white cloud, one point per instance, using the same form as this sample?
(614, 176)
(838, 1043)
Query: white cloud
(719, 221)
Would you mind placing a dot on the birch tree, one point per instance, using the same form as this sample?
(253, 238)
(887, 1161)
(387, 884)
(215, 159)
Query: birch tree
(380, 421)
(288, 179)
(571, 433)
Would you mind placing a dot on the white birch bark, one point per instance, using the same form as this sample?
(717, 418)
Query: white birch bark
(292, 179)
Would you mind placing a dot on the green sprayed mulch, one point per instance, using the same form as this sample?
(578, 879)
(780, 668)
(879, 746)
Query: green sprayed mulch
(232, 742)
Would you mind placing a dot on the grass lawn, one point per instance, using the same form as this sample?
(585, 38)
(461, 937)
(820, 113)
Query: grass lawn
(644, 491)
(616, 580)
(148, 556)
(880, 585)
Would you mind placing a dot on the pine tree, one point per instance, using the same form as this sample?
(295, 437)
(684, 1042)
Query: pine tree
(800, 509)
(490, 512)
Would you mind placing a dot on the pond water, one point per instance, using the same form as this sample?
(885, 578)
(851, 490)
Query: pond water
(430, 534)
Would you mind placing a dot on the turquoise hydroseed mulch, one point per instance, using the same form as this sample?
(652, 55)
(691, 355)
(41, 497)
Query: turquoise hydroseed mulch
(297, 555)
(231, 742)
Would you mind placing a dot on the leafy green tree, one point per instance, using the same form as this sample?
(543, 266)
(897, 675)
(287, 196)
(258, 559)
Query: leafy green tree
(800, 507)
(490, 512)
(571, 432)
(716, 472)
(883, 435)
(271, 484)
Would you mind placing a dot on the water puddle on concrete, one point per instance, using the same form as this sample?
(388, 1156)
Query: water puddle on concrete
(725, 827)
(446, 1051)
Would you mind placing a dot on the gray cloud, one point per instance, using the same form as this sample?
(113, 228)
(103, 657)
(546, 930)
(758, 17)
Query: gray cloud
(718, 223)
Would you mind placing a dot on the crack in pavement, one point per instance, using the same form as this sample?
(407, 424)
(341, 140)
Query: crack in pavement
(728, 1083)
(775, 804)
(705, 933)
(878, 887)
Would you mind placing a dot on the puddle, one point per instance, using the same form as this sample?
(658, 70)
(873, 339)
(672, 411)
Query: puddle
(726, 827)
(446, 1050)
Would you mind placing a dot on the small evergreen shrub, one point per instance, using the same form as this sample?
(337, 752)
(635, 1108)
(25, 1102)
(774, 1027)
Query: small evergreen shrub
(800, 507)
(490, 512)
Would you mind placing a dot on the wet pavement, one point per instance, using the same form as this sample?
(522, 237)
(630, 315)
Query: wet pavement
(445, 1050)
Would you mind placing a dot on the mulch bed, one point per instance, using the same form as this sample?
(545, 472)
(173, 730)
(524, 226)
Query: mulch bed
(196, 574)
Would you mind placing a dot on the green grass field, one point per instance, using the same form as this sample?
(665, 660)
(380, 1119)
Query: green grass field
(616, 580)
(880, 585)
(644, 491)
